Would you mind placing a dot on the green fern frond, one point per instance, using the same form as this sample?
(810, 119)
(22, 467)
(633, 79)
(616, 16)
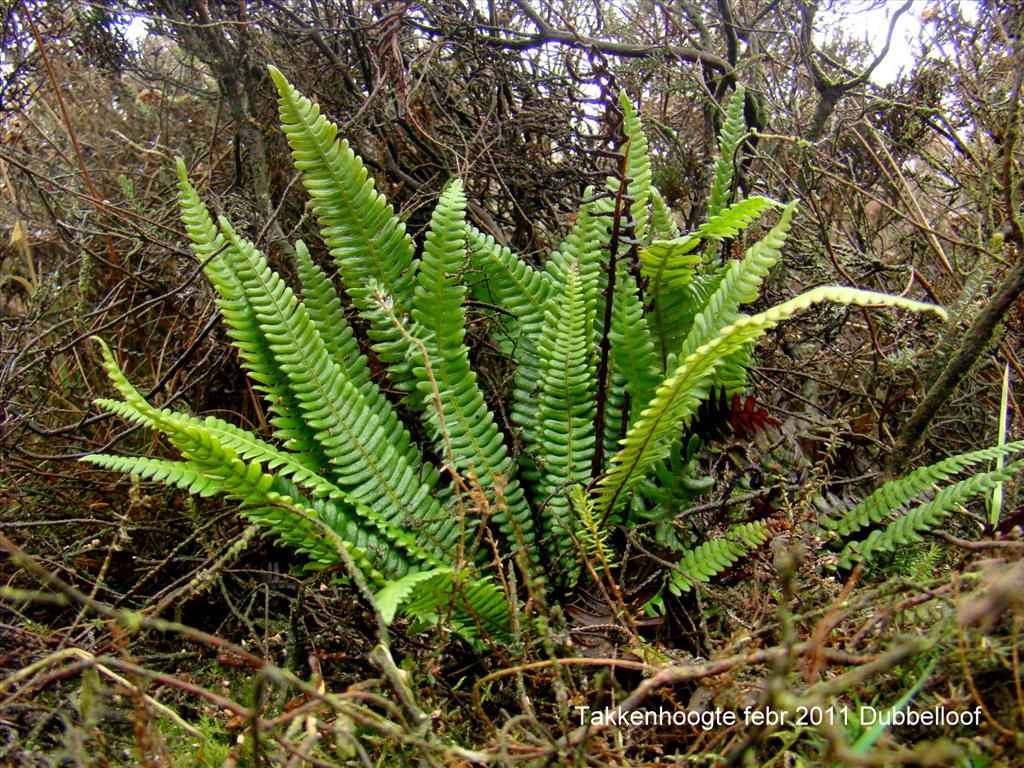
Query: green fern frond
(566, 409)
(632, 348)
(909, 527)
(669, 265)
(469, 427)
(677, 398)
(897, 494)
(663, 226)
(638, 167)
(734, 219)
(182, 474)
(367, 241)
(740, 284)
(293, 521)
(328, 317)
(244, 443)
(220, 450)
(592, 536)
(476, 607)
(209, 246)
(703, 563)
(361, 454)
(729, 139)
(511, 283)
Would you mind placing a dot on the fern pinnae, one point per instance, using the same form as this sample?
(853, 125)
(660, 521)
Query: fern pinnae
(733, 130)
(677, 398)
(367, 241)
(328, 317)
(734, 219)
(632, 348)
(512, 283)
(703, 563)
(565, 424)
(291, 520)
(361, 459)
(638, 167)
(476, 444)
(228, 466)
(249, 447)
(669, 264)
(663, 225)
(897, 494)
(740, 284)
(210, 247)
(909, 527)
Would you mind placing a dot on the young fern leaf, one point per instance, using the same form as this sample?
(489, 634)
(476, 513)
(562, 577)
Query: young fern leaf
(469, 427)
(736, 218)
(669, 265)
(367, 241)
(565, 423)
(677, 398)
(909, 527)
(897, 494)
(740, 284)
(729, 139)
(703, 563)
(592, 536)
(244, 443)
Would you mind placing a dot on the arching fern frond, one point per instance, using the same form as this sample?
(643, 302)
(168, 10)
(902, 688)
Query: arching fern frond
(360, 452)
(671, 264)
(909, 527)
(897, 494)
(294, 521)
(679, 395)
(703, 563)
(227, 466)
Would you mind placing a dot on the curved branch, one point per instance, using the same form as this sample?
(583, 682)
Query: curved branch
(547, 34)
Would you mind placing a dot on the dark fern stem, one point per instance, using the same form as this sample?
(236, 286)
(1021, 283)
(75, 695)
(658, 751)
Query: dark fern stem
(622, 230)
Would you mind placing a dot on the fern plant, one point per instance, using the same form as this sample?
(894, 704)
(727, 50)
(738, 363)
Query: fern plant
(602, 348)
